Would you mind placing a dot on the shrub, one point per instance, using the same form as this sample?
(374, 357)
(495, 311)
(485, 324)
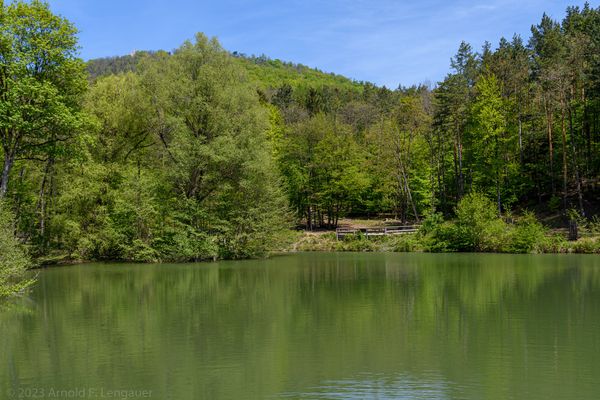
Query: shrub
(356, 242)
(555, 243)
(479, 228)
(594, 225)
(140, 251)
(476, 228)
(586, 245)
(357, 245)
(444, 237)
(431, 223)
(312, 242)
(528, 235)
(591, 227)
(403, 243)
(13, 258)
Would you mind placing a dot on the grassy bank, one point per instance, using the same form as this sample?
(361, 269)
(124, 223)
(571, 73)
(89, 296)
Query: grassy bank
(326, 241)
(477, 227)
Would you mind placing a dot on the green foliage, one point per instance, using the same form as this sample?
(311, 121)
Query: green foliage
(270, 73)
(42, 80)
(175, 162)
(477, 228)
(316, 242)
(202, 154)
(493, 161)
(321, 163)
(528, 235)
(13, 258)
(431, 223)
(180, 166)
(357, 243)
(586, 246)
(593, 226)
(554, 243)
(403, 243)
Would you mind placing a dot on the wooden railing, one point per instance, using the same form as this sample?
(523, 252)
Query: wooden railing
(340, 233)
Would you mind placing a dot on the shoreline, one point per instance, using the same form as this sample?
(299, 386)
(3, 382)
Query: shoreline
(415, 243)
(326, 242)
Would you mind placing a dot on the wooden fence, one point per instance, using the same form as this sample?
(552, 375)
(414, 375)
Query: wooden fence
(340, 233)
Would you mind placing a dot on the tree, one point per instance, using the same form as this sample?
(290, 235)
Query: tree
(400, 155)
(41, 80)
(13, 260)
(453, 97)
(180, 166)
(212, 131)
(489, 137)
(323, 169)
(547, 44)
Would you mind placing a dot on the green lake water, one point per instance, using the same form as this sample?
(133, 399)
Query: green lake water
(310, 326)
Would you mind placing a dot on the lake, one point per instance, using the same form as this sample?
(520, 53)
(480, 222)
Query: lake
(310, 326)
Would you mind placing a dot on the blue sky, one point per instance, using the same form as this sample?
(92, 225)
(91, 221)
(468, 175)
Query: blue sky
(382, 41)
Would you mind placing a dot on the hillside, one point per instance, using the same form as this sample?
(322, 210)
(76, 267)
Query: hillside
(266, 72)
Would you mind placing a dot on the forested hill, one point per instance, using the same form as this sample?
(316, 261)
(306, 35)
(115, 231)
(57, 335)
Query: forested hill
(264, 70)
(517, 121)
(117, 64)
(202, 153)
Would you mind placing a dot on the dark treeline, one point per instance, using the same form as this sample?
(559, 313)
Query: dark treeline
(199, 153)
(119, 64)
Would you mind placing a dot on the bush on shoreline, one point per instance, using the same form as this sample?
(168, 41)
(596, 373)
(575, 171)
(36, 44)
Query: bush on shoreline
(478, 227)
(13, 258)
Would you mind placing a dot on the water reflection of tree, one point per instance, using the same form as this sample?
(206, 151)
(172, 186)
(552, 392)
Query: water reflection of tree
(270, 329)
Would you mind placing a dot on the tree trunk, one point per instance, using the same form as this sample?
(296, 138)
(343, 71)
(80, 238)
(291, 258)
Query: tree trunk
(550, 147)
(9, 160)
(458, 173)
(498, 198)
(586, 128)
(409, 196)
(337, 214)
(576, 165)
(564, 157)
(520, 140)
(42, 201)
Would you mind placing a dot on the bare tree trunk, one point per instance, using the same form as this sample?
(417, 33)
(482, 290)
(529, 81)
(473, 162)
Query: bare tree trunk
(498, 198)
(409, 196)
(586, 131)
(460, 183)
(550, 146)
(520, 140)
(564, 156)
(576, 165)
